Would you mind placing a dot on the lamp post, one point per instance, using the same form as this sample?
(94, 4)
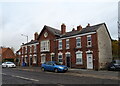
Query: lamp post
(25, 36)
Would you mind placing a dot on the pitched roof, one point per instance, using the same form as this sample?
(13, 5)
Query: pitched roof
(53, 30)
(31, 42)
(84, 30)
(2, 50)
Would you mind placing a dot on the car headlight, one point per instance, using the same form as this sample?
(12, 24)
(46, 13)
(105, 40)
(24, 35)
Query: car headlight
(61, 67)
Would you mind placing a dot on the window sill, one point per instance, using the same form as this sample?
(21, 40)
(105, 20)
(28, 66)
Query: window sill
(79, 47)
(60, 49)
(79, 64)
(89, 46)
(67, 48)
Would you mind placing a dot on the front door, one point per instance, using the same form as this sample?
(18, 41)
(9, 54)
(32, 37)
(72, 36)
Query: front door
(89, 61)
(68, 60)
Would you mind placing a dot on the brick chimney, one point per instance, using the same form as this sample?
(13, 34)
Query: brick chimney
(79, 28)
(88, 25)
(73, 29)
(63, 29)
(35, 36)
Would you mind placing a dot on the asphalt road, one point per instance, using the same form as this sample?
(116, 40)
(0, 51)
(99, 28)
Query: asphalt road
(14, 76)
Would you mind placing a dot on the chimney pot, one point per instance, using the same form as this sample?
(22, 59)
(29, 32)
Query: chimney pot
(79, 28)
(73, 29)
(88, 25)
(63, 28)
(35, 36)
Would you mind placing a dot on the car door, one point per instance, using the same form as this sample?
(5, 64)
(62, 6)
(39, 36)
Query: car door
(49, 66)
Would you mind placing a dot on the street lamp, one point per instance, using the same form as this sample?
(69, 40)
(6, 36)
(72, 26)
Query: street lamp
(25, 36)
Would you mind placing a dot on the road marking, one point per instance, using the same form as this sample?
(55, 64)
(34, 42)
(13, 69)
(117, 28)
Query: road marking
(22, 77)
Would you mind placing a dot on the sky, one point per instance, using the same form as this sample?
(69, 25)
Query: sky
(27, 17)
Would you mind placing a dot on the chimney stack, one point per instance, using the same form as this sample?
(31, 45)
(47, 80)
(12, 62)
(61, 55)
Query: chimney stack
(79, 28)
(88, 25)
(35, 36)
(73, 29)
(63, 29)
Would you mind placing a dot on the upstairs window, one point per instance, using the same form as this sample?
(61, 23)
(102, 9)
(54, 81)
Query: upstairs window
(78, 42)
(89, 41)
(60, 44)
(35, 48)
(67, 44)
(45, 45)
(25, 49)
(30, 49)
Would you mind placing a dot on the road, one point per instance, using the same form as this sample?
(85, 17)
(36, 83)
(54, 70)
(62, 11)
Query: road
(14, 76)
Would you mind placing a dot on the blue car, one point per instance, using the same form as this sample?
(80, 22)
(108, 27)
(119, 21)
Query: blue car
(54, 66)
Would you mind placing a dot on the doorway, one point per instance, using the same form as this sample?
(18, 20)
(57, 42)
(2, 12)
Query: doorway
(89, 61)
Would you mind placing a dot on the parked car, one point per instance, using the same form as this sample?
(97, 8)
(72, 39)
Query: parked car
(8, 64)
(54, 66)
(114, 65)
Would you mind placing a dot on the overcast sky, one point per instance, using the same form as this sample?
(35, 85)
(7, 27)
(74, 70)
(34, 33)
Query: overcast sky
(29, 17)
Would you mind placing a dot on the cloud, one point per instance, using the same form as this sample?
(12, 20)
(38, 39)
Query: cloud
(27, 18)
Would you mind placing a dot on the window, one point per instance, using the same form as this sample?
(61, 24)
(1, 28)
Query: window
(79, 57)
(43, 58)
(67, 43)
(60, 44)
(60, 58)
(78, 42)
(34, 59)
(25, 49)
(89, 43)
(30, 49)
(34, 48)
(45, 45)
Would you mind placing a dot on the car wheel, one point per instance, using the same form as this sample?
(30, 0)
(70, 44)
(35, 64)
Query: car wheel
(56, 70)
(43, 69)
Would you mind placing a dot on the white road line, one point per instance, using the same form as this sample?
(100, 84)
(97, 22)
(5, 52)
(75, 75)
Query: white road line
(23, 77)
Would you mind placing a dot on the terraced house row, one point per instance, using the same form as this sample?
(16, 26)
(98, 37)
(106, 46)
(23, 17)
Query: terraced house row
(88, 47)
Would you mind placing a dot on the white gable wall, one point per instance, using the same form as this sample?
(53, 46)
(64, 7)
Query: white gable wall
(104, 47)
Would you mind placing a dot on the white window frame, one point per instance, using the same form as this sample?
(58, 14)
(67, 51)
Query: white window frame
(45, 45)
(79, 52)
(60, 54)
(67, 44)
(34, 59)
(78, 42)
(25, 49)
(35, 48)
(30, 49)
(43, 59)
(89, 41)
(59, 46)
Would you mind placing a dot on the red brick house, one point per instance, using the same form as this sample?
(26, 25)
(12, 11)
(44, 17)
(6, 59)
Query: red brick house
(88, 47)
(7, 54)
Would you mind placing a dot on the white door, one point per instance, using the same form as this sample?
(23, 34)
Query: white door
(89, 61)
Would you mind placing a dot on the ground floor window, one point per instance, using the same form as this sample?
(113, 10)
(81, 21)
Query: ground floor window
(79, 58)
(34, 59)
(60, 58)
(43, 58)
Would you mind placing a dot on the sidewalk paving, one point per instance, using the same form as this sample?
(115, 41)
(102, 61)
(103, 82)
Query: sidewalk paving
(103, 74)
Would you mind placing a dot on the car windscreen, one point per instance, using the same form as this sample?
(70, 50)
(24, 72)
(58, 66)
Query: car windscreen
(9, 63)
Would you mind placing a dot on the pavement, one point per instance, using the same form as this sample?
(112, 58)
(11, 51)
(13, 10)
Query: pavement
(102, 74)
